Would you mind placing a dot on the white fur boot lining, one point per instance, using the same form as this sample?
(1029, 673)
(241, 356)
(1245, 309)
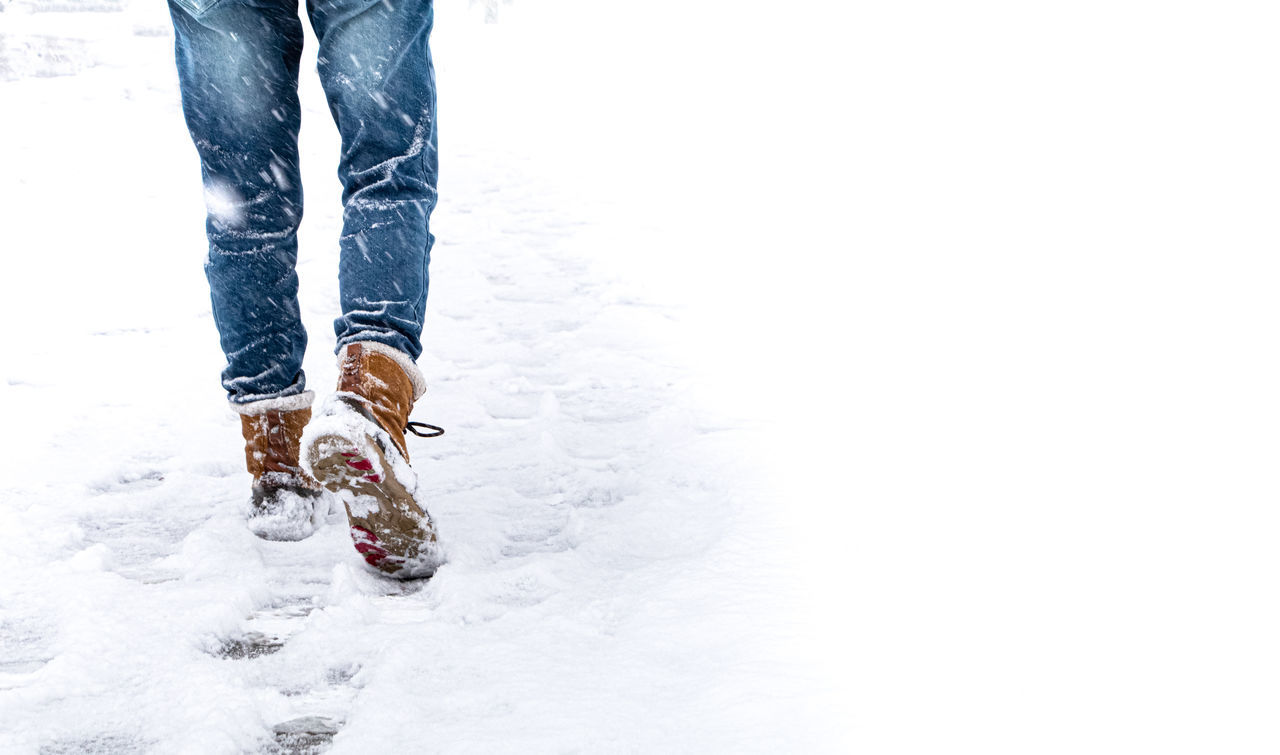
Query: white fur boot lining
(281, 404)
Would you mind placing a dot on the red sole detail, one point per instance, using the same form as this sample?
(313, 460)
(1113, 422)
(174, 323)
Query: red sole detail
(372, 553)
(364, 542)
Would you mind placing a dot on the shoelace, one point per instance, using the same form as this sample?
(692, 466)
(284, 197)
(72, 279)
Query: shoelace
(412, 427)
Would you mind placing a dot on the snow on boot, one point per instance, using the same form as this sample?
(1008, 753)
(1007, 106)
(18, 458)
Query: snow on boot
(285, 504)
(355, 447)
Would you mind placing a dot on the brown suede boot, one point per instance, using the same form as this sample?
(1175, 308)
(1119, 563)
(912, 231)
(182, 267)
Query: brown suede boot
(355, 447)
(284, 500)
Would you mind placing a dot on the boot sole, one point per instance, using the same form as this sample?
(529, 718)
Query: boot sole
(390, 530)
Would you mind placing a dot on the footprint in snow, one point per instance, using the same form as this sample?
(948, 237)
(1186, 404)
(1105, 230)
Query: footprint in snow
(137, 544)
(304, 736)
(102, 744)
(267, 629)
(127, 480)
(248, 645)
(26, 641)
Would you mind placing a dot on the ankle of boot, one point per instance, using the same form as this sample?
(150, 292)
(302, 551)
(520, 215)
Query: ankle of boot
(402, 360)
(272, 431)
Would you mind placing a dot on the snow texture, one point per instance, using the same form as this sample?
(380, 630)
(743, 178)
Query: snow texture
(818, 377)
(611, 582)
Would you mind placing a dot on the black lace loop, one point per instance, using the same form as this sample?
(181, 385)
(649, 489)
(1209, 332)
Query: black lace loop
(412, 427)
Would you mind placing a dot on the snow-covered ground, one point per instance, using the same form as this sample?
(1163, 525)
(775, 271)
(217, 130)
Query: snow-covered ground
(615, 581)
(871, 377)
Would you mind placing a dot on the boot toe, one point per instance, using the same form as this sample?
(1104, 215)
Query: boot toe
(287, 512)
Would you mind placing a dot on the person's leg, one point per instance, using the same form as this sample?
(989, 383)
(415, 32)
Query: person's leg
(375, 65)
(238, 70)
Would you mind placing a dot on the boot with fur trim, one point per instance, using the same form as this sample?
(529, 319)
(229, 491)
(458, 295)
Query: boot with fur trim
(355, 447)
(285, 503)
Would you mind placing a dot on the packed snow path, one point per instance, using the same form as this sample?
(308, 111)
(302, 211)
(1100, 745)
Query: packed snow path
(607, 586)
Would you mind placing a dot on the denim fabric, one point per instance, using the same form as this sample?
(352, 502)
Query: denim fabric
(238, 66)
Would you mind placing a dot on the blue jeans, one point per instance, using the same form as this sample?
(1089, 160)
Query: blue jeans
(238, 64)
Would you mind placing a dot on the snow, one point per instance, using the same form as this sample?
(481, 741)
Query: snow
(829, 377)
(224, 204)
(613, 580)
